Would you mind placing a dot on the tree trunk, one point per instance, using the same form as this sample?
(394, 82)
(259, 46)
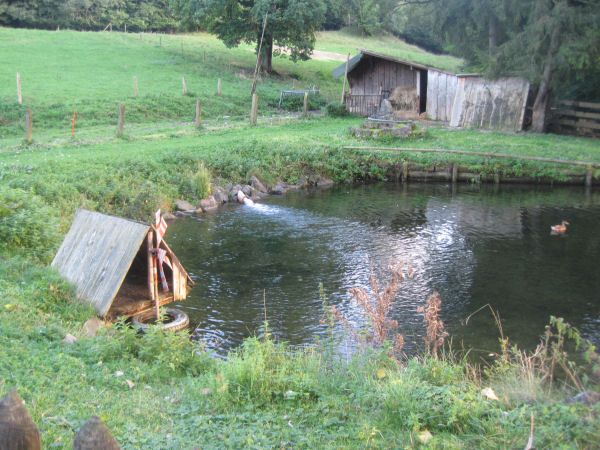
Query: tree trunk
(266, 54)
(540, 106)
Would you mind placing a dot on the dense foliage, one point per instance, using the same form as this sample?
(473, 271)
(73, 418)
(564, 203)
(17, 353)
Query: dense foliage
(290, 24)
(138, 15)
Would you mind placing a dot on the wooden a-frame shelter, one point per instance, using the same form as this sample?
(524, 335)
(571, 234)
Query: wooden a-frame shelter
(113, 264)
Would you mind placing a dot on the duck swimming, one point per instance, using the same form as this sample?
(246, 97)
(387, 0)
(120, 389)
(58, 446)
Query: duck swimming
(560, 228)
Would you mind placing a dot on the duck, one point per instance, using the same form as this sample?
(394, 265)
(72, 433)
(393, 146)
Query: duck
(561, 228)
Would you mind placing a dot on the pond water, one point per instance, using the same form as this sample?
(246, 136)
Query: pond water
(476, 245)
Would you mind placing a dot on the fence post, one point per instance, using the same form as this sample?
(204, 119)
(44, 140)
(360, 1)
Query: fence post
(254, 110)
(219, 91)
(28, 126)
(183, 86)
(405, 171)
(454, 173)
(198, 118)
(125, 28)
(121, 123)
(19, 94)
(305, 107)
(589, 176)
(135, 87)
(345, 78)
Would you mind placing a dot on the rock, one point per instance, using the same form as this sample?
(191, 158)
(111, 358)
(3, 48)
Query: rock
(586, 397)
(279, 189)
(302, 182)
(324, 182)
(94, 435)
(233, 192)
(256, 184)
(17, 429)
(221, 196)
(209, 203)
(69, 339)
(386, 108)
(403, 131)
(199, 211)
(92, 326)
(182, 205)
(248, 190)
(168, 216)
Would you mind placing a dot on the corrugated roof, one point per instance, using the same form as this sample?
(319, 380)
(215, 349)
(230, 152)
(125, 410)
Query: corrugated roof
(341, 69)
(97, 253)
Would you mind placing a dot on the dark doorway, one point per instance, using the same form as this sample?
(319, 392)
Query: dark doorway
(423, 92)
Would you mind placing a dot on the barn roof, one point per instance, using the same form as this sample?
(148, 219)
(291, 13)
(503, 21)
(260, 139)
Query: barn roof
(353, 62)
(97, 253)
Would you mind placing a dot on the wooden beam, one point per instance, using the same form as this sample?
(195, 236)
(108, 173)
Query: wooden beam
(477, 153)
(572, 113)
(588, 105)
(345, 78)
(580, 124)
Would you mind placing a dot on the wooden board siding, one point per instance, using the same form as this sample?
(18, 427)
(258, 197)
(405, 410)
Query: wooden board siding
(96, 254)
(441, 88)
(373, 74)
(493, 104)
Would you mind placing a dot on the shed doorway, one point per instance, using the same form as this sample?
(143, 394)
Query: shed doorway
(422, 91)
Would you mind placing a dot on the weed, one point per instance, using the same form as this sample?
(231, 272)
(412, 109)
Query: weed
(435, 334)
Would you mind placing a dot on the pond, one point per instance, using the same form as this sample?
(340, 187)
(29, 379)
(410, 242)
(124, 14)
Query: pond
(474, 244)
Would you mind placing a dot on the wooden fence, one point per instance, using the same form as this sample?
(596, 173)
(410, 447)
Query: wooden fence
(571, 117)
(363, 104)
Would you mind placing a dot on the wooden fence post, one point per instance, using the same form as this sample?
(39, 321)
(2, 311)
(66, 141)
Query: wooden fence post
(454, 173)
(121, 123)
(28, 126)
(198, 118)
(589, 177)
(19, 94)
(219, 91)
(345, 78)
(125, 28)
(254, 110)
(135, 87)
(305, 107)
(160, 41)
(405, 171)
(183, 86)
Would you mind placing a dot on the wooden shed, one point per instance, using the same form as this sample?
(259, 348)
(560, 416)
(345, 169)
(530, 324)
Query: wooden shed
(414, 90)
(113, 264)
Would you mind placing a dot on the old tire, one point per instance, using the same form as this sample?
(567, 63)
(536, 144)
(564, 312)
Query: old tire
(176, 320)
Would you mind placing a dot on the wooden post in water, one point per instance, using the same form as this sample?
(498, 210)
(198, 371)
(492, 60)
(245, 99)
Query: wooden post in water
(198, 118)
(183, 86)
(454, 173)
(589, 177)
(121, 123)
(254, 110)
(19, 94)
(305, 107)
(135, 87)
(28, 126)
(405, 171)
(219, 90)
(345, 78)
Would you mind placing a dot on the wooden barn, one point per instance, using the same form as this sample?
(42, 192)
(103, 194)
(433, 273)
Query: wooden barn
(414, 90)
(113, 264)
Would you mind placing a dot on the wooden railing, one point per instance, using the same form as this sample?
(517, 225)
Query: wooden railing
(576, 118)
(363, 104)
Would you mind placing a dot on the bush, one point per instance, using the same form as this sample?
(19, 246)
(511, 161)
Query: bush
(335, 109)
(200, 182)
(27, 223)
(296, 103)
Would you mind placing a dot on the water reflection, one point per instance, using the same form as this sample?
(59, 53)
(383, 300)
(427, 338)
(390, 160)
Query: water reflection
(475, 245)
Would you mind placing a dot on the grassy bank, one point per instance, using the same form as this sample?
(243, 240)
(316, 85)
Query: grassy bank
(264, 395)
(162, 391)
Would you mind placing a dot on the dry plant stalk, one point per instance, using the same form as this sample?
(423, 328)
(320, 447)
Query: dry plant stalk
(378, 305)
(435, 334)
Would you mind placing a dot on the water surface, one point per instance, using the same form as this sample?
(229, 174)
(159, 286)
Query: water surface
(476, 245)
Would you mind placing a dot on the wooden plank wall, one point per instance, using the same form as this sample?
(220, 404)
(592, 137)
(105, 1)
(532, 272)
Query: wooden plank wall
(491, 104)
(441, 89)
(373, 74)
(572, 117)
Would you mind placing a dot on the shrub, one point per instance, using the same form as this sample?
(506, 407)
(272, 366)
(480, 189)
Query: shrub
(27, 223)
(200, 182)
(335, 109)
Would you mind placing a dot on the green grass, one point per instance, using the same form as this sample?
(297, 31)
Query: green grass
(345, 41)
(265, 395)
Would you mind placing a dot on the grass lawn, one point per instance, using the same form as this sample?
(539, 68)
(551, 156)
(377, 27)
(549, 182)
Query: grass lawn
(264, 395)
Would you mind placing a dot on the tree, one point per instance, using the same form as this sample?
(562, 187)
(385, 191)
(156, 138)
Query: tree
(291, 24)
